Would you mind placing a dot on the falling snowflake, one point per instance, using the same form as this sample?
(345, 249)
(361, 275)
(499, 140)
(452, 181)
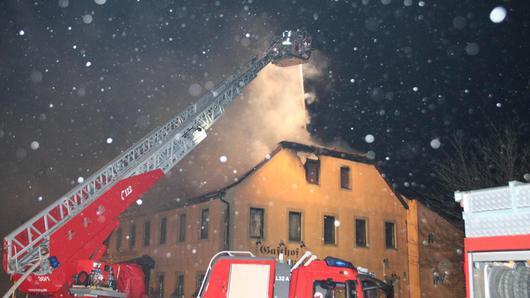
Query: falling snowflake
(498, 14)
(34, 145)
(435, 143)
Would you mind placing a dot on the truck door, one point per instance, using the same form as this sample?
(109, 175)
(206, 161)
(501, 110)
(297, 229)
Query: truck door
(331, 289)
(375, 288)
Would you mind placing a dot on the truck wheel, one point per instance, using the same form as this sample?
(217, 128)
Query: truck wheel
(508, 283)
(522, 282)
(495, 277)
(82, 278)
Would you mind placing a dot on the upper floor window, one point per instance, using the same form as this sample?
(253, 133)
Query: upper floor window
(345, 179)
(390, 234)
(147, 233)
(256, 223)
(205, 219)
(312, 171)
(163, 230)
(295, 226)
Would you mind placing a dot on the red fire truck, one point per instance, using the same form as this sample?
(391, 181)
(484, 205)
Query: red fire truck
(497, 243)
(243, 275)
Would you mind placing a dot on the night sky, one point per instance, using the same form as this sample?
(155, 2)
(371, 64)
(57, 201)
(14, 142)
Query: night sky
(82, 80)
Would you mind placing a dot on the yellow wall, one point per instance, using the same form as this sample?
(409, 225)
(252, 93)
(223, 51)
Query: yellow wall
(443, 255)
(280, 186)
(190, 257)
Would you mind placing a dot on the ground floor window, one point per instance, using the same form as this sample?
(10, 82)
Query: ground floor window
(179, 286)
(360, 232)
(390, 234)
(256, 223)
(295, 226)
(329, 229)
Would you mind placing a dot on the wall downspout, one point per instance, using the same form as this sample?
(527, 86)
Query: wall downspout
(226, 222)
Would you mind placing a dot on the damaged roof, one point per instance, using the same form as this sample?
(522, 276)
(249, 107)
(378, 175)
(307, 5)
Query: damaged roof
(352, 156)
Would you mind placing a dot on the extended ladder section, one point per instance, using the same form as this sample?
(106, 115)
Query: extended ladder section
(160, 149)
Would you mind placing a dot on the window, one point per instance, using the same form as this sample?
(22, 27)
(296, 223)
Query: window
(329, 229)
(256, 223)
(200, 277)
(160, 286)
(360, 232)
(374, 288)
(182, 228)
(312, 171)
(147, 233)
(179, 286)
(163, 230)
(329, 288)
(205, 218)
(390, 235)
(345, 178)
(132, 236)
(295, 226)
(118, 239)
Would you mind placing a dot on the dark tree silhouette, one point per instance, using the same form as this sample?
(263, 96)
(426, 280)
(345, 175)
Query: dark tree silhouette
(501, 156)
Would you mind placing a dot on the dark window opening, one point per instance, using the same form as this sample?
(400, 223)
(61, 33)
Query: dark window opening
(374, 288)
(179, 286)
(256, 223)
(118, 238)
(312, 171)
(163, 230)
(205, 219)
(329, 229)
(160, 286)
(147, 233)
(182, 228)
(360, 232)
(132, 236)
(390, 235)
(331, 289)
(345, 179)
(200, 277)
(295, 226)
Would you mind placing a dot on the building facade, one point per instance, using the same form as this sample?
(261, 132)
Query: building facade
(436, 259)
(300, 198)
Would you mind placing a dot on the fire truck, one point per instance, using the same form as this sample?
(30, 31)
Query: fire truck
(497, 243)
(243, 275)
(59, 252)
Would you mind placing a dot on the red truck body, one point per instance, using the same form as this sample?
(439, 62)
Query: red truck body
(232, 275)
(497, 243)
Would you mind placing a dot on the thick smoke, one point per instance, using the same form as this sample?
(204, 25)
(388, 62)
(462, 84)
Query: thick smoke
(270, 110)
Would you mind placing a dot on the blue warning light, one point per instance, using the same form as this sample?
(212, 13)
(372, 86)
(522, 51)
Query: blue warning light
(334, 262)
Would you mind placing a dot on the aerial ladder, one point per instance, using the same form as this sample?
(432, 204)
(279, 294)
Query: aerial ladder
(46, 254)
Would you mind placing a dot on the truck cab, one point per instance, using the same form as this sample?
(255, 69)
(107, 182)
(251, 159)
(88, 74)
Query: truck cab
(241, 274)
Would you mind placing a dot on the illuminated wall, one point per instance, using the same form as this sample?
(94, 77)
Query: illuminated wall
(275, 188)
